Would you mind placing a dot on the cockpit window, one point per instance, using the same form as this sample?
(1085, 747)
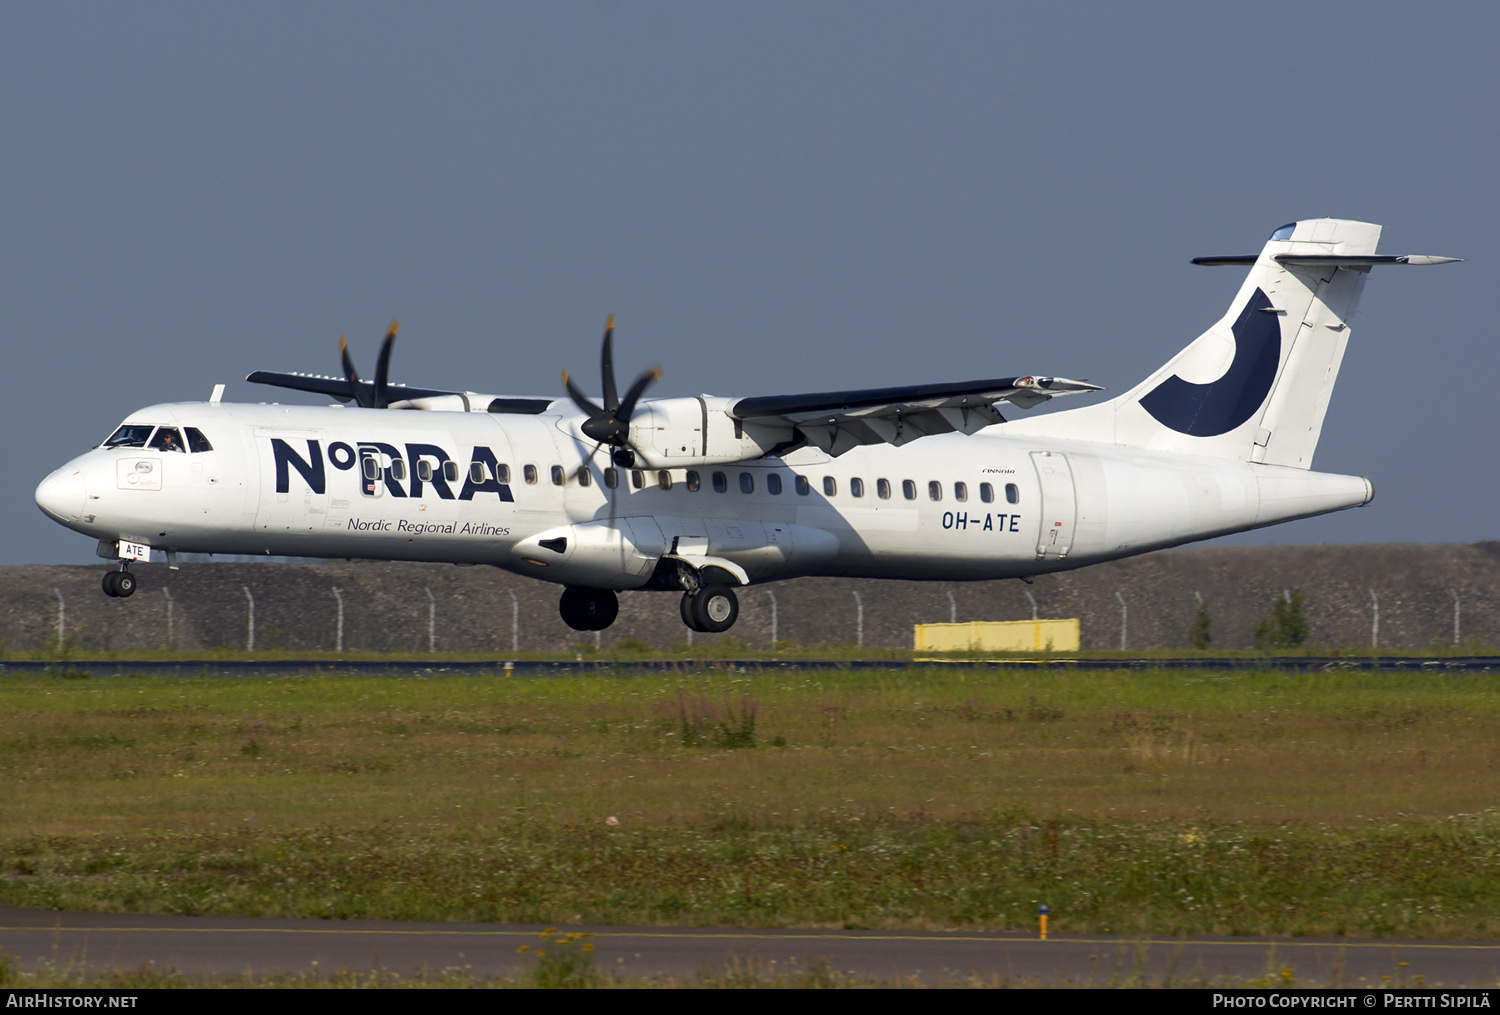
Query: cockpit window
(168, 439)
(197, 443)
(131, 435)
(1285, 232)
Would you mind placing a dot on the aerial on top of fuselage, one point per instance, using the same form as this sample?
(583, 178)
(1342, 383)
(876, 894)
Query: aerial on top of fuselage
(834, 421)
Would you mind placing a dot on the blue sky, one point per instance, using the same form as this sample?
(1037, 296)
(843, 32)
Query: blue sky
(771, 197)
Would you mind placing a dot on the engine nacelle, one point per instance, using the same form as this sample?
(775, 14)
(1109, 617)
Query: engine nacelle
(681, 433)
(626, 554)
(596, 554)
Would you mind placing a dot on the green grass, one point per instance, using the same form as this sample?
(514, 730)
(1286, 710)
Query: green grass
(1131, 803)
(632, 650)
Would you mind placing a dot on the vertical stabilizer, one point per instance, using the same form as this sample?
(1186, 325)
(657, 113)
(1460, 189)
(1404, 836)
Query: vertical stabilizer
(1255, 386)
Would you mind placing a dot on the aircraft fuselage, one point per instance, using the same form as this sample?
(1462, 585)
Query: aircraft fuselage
(481, 488)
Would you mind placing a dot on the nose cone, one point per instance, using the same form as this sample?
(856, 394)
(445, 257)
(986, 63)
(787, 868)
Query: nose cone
(60, 495)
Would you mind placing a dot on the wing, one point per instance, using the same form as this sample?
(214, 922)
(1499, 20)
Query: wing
(402, 396)
(836, 421)
(336, 387)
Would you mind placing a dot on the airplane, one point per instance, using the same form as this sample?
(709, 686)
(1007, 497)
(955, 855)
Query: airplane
(703, 495)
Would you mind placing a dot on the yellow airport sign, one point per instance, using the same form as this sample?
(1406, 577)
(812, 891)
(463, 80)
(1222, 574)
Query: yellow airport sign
(1000, 636)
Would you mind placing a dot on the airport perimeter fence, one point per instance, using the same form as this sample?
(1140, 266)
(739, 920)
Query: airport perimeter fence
(1354, 596)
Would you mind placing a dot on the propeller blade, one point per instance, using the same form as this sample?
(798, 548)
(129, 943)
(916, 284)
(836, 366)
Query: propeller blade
(607, 366)
(610, 424)
(627, 407)
(579, 398)
(383, 367)
(356, 389)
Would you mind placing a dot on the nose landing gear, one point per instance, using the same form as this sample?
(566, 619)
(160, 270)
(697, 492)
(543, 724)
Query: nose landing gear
(118, 584)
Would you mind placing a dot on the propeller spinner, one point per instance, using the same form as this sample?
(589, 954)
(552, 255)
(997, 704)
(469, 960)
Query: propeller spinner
(610, 424)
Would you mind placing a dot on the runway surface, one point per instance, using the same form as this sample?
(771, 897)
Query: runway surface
(203, 946)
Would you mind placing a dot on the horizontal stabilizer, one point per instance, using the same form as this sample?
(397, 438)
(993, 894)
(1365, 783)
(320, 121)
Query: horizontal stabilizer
(1233, 260)
(1342, 261)
(1331, 260)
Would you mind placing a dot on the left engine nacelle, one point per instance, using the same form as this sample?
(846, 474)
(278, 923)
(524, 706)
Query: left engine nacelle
(596, 554)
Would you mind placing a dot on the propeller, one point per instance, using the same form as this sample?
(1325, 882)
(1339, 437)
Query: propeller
(610, 423)
(378, 399)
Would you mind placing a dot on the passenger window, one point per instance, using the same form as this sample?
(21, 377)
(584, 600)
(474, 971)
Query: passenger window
(197, 443)
(637, 478)
(830, 486)
(167, 439)
(1012, 493)
(583, 475)
(720, 483)
(664, 479)
(856, 487)
(693, 482)
(935, 490)
(908, 489)
(424, 470)
(747, 483)
(773, 484)
(986, 493)
(528, 473)
(132, 435)
(611, 477)
(559, 477)
(398, 470)
(450, 472)
(803, 486)
(370, 468)
(960, 491)
(883, 489)
(502, 472)
(476, 472)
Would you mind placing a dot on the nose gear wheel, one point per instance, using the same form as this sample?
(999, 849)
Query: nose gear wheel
(118, 584)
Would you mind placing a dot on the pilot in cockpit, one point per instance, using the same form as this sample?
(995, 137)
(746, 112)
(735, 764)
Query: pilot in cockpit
(167, 440)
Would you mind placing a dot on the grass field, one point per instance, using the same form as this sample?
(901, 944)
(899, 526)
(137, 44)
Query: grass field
(631, 650)
(1134, 803)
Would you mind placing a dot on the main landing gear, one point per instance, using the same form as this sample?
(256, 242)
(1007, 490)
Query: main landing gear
(710, 609)
(118, 584)
(588, 609)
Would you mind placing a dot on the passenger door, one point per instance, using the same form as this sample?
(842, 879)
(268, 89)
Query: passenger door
(1059, 507)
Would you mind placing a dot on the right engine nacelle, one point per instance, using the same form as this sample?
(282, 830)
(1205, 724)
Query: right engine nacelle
(680, 433)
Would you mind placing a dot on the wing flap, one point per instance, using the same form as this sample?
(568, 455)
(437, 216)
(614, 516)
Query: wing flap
(836, 421)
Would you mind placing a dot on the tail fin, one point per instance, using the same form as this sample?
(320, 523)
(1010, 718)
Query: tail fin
(1255, 386)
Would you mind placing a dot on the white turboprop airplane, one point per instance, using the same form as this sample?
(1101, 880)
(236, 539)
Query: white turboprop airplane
(701, 495)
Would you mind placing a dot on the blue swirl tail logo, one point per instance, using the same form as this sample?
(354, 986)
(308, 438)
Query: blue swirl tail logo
(1208, 410)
